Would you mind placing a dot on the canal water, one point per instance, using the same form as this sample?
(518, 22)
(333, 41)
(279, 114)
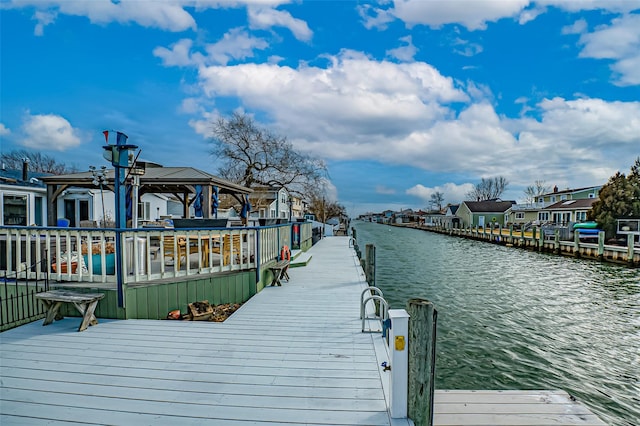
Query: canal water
(516, 319)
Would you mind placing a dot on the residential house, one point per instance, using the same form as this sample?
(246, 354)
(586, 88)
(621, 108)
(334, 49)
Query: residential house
(568, 194)
(525, 214)
(268, 202)
(537, 213)
(298, 207)
(449, 219)
(431, 218)
(565, 212)
(22, 197)
(482, 213)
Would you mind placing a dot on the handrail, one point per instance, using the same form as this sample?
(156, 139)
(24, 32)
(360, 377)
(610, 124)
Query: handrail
(384, 311)
(370, 289)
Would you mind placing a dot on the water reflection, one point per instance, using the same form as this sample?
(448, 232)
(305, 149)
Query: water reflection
(515, 319)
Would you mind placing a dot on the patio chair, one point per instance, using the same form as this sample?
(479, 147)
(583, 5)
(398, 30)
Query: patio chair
(230, 247)
(176, 248)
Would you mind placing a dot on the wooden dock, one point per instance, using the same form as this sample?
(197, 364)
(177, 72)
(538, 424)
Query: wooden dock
(291, 355)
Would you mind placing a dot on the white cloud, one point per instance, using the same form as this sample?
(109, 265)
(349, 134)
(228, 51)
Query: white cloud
(43, 19)
(178, 55)
(235, 44)
(465, 48)
(354, 95)
(384, 190)
(528, 15)
(168, 15)
(49, 132)
(164, 15)
(373, 17)
(578, 27)
(615, 6)
(473, 15)
(453, 193)
(4, 130)
(620, 42)
(265, 18)
(404, 53)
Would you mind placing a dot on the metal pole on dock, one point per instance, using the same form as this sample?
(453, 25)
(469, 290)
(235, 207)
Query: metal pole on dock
(422, 360)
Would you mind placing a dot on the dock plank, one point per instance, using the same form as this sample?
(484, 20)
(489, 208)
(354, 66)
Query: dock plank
(291, 355)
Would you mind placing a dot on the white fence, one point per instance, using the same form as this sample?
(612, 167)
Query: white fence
(89, 255)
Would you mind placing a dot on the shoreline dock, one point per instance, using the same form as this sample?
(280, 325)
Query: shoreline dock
(291, 355)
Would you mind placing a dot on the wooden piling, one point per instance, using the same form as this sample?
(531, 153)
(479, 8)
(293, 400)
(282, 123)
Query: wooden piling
(422, 360)
(370, 257)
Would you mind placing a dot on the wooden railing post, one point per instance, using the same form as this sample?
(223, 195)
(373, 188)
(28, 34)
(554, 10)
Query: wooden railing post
(422, 360)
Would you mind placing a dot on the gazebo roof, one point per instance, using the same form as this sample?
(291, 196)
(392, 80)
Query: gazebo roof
(183, 182)
(155, 180)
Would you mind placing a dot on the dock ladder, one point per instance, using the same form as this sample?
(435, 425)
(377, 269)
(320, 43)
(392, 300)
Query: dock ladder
(379, 311)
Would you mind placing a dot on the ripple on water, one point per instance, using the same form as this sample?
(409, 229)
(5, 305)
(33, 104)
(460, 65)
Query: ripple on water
(515, 319)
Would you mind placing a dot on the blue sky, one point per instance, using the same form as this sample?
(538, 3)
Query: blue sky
(401, 98)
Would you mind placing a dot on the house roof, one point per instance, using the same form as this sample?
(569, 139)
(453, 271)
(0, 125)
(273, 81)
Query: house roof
(489, 206)
(582, 203)
(14, 177)
(569, 190)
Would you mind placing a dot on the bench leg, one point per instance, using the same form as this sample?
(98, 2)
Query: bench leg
(277, 274)
(52, 312)
(87, 310)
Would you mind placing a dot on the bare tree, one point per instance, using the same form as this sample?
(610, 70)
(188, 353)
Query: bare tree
(437, 198)
(253, 156)
(488, 189)
(37, 162)
(324, 209)
(538, 188)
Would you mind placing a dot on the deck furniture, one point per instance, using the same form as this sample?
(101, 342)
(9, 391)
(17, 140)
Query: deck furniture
(230, 247)
(85, 303)
(279, 271)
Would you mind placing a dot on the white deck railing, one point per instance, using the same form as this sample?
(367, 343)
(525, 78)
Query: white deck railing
(88, 255)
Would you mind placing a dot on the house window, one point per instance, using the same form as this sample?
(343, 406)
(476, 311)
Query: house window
(272, 214)
(563, 197)
(144, 210)
(543, 216)
(553, 198)
(581, 216)
(262, 214)
(592, 195)
(541, 199)
(14, 209)
(520, 215)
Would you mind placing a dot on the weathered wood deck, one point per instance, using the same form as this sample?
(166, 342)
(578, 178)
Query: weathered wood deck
(291, 355)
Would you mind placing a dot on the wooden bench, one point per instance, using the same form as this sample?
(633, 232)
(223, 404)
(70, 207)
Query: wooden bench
(85, 303)
(279, 271)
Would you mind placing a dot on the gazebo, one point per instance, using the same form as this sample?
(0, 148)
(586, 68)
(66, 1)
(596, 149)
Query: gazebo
(187, 184)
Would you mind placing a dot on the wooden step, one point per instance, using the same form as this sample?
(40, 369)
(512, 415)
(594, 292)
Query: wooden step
(301, 260)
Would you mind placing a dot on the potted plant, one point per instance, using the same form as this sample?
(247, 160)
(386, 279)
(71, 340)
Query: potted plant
(96, 257)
